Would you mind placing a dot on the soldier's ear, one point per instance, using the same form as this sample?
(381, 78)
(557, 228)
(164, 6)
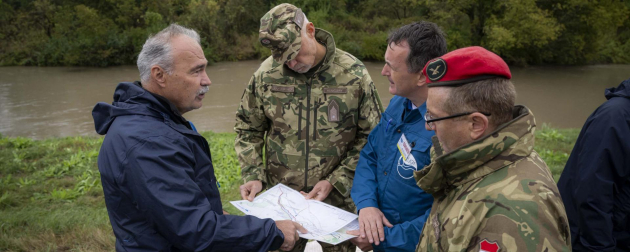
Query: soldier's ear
(421, 81)
(479, 125)
(310, 30)
(159, 75)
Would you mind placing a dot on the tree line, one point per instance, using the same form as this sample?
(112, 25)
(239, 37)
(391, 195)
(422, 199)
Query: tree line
(111, 32)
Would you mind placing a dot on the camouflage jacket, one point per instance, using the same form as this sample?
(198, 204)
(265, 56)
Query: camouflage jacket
(312, 127)
(495, 194)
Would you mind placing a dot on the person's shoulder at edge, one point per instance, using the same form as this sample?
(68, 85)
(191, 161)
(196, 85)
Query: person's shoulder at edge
(616, 107)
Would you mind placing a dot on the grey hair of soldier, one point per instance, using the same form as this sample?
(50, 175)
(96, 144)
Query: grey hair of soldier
(495, 96)
(426, 42)
(157, 50)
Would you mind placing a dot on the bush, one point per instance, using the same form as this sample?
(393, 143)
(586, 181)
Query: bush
(105, 33)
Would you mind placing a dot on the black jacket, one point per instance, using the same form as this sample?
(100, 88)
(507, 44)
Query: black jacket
(160, 189)
(595, 183)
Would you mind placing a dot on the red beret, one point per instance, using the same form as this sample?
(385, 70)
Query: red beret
(465, 65)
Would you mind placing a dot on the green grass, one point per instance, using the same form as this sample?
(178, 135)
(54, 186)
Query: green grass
(51, 197)
(554, 146)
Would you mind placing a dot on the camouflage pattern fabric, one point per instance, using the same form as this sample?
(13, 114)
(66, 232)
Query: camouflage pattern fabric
(280, 31)
(312, 127)
(495, 194)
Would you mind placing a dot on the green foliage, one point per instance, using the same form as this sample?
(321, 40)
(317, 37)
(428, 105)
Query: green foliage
(554, 146)
(112, 32)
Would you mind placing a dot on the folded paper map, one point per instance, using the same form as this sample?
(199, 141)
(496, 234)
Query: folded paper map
(324, 222)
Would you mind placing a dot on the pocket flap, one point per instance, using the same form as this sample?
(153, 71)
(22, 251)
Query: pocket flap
(341, 90)
(282, 89)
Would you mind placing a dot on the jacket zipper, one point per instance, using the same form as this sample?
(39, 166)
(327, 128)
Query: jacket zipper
(299, 133)
(315, 120)
(308, 123)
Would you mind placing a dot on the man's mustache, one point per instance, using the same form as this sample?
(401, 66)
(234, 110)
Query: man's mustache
(203, 90)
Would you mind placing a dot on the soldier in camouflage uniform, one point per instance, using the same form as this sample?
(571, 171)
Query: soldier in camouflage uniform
(492, 191)
(311, 107)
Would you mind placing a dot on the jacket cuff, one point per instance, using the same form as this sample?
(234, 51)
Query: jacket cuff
(366, 203)
(382, 245)
(278, 239)
(341, 184)
(251, 177)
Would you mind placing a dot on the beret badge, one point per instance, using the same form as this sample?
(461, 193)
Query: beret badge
(436, 69)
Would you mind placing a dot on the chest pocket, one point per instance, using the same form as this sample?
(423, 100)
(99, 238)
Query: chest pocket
(336, 113)
(283, 107)
(420, 151)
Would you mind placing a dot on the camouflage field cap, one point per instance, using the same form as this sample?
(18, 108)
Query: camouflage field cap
(280, 30)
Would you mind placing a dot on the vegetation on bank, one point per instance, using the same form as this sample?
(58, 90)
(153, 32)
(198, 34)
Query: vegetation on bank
(51, 198)
(111, 32)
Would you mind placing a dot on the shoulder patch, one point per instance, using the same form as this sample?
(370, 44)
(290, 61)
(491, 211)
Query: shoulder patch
(436, 69)
(486, 246)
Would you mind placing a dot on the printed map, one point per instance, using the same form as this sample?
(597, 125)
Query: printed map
(324, 222)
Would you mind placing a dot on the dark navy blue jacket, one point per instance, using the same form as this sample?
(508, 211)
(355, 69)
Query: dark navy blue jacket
(383, 179)
(595, 183)
(160, 189)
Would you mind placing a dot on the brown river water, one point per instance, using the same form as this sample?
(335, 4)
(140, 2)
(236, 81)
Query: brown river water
(57, 101)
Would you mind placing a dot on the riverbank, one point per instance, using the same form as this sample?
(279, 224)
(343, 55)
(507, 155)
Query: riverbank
(51, 197)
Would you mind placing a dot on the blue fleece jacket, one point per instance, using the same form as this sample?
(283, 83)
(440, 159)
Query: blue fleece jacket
(384, 179)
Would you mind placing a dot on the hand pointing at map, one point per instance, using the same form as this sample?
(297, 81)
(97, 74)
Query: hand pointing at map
(320, 191)
(289, 230)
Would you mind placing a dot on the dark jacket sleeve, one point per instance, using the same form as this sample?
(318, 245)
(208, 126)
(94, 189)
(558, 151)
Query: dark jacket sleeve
(160, 176)
(599, 170)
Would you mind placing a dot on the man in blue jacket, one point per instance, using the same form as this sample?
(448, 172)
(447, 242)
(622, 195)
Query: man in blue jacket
(160, 189)
(392, 208)
(595, 183)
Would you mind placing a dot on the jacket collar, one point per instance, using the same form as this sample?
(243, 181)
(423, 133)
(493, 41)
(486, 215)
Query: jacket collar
(132, 99)
(507, 144)
(623, 90)
(167, 106)
(410, 114)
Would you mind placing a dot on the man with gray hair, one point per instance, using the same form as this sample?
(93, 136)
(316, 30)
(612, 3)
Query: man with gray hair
(491, 190)
(159, 184)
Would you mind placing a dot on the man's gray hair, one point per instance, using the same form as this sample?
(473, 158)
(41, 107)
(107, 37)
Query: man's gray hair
(157, 50)
(495, 96)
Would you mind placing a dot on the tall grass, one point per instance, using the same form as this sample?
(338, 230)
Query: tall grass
(51, 197)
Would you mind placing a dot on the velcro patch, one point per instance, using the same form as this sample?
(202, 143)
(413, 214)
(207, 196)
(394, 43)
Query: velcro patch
(486, 246)
(333, 111)
(299, 18)
(335, 90)
(283, 89)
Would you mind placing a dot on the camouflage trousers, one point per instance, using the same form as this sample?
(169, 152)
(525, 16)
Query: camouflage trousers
(335, 199)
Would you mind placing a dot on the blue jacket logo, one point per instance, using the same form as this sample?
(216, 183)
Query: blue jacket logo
(406, 167)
